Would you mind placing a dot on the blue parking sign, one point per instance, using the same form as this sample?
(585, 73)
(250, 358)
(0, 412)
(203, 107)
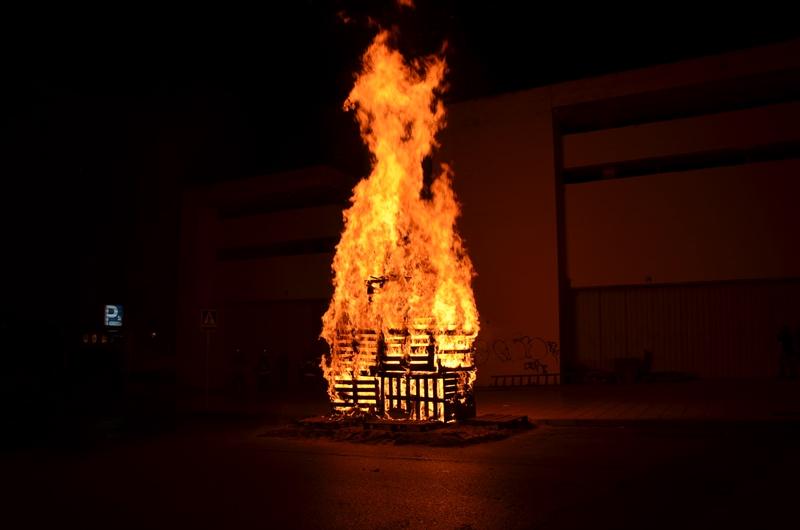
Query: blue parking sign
(113, 316)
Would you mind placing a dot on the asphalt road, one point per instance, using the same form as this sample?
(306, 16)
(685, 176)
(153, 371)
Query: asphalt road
(226, 476)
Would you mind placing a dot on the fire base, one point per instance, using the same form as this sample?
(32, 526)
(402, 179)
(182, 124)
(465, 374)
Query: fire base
(434, 396)
(401, 375)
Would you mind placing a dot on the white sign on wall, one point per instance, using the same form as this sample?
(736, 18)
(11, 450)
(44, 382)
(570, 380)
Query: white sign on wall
(113, 316)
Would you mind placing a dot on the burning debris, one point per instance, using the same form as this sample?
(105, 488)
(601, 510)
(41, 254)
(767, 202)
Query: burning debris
(402, 320)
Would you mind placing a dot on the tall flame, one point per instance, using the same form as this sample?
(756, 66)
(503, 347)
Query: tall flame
(400, 260)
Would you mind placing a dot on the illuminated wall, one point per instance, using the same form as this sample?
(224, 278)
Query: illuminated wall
(674, 174)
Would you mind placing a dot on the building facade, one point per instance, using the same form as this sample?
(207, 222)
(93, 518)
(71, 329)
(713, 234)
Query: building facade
(648, 215)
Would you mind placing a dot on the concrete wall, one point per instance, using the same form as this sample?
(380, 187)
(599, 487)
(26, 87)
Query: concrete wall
(501, 150)
(697, 266)
(723, 223)
(705, 225)
(269, 304)
(763, 125)
(728, 66)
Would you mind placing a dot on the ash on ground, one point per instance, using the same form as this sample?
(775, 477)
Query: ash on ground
(355, 430)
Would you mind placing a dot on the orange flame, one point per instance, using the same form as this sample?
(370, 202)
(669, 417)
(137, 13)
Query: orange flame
(400, 264)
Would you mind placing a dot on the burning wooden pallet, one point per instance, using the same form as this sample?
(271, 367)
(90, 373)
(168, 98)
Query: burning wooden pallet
(403, 376)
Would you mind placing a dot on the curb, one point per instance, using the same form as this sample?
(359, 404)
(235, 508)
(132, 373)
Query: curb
(667, 422)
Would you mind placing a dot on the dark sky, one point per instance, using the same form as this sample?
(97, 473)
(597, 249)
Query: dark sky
(252, 92)
(108, 115)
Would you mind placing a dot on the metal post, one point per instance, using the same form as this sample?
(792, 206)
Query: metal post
(208, 351)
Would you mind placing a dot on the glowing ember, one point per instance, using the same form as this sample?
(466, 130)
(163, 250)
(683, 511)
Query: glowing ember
(402, 319)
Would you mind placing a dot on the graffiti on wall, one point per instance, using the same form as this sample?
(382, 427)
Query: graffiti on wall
(531, 353)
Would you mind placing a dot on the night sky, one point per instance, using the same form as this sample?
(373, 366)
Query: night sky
(107, 116)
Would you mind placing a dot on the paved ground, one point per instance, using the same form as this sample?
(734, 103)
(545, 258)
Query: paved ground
(658, 455)
(722, 400)
(223, 475)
